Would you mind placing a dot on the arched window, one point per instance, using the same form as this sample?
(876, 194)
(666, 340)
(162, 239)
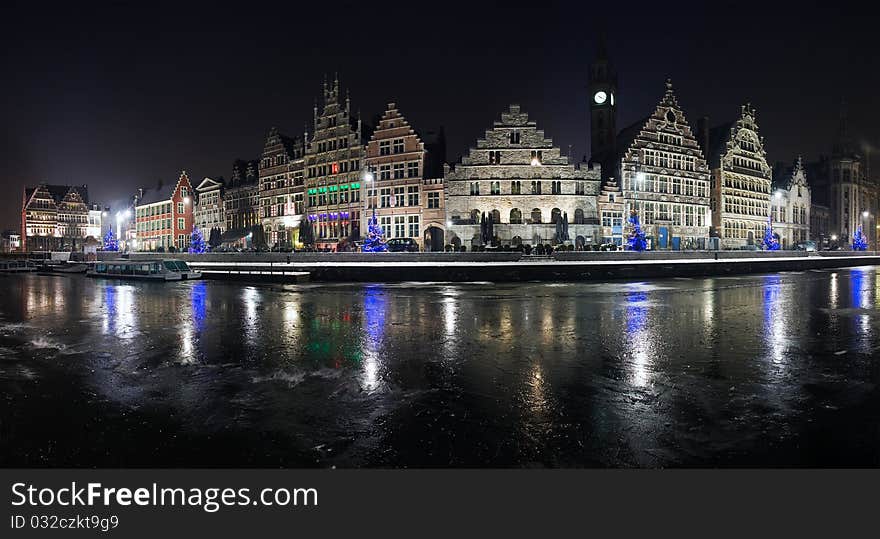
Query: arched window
(555, 215)
(475, 217)
(578, 216)
(515, 216)
(536, 215)
(496, 216)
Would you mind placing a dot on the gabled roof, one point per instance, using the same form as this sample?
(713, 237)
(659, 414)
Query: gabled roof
(60, 192)
(160, 194)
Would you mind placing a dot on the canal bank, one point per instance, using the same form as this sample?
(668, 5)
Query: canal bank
(505, 267)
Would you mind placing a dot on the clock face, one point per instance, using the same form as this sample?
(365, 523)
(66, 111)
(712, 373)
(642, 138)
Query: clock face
(599, 97)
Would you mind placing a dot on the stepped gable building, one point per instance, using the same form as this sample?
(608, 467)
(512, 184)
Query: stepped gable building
(407, 203)
(842, 183)
(164, 217)
(740, 180)
(282, 186)
(665, 178)
(518, 178)
(56, 217)
(612, 212)
(334, 177)
(241, 202)
(208, 211)
(791, 205)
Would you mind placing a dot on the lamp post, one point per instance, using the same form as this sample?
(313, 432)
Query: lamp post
(368, 177)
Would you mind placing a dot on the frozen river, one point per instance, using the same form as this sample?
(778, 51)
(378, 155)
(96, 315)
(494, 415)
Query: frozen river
(776, 369)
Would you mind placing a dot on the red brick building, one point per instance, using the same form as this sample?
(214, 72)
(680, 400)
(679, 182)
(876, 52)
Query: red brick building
(164, 218)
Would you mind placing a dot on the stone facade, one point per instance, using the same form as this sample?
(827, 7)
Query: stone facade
(407, 204)
(841, 182)
(791, 206)
(334, 177)
(209, 212)
(56, 218)
(164, 219)
(612, 216)
(740, 181)
(282, 189)
(665, 178)
(518, 177)
(241, 201)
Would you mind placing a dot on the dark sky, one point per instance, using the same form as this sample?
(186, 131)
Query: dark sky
(120, 94)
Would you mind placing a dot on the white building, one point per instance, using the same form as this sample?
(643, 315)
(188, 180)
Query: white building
(791, 203)
(208, 211)
(664, 177)
(516, 176)
(741, 179)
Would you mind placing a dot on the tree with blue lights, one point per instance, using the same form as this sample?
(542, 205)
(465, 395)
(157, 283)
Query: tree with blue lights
(197, 241)
(636, 241)
(860, 242)
(110, 243)
(770, 242)
(374, 242)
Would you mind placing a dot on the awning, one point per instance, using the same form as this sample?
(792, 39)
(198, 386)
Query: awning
(234, 235)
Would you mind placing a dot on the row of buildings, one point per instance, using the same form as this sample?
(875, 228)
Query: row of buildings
(693, 187)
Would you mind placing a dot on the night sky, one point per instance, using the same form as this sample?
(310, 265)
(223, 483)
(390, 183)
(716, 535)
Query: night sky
(118, 95)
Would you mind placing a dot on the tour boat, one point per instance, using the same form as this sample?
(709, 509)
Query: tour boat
(151, 270)
(16, 266)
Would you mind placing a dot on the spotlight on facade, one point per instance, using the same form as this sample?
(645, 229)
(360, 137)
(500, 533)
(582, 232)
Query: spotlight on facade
(778, 194)
(448, 223)
(368, 176)
(535, 162)
(833, 237)
(186, 200)
(865, 214)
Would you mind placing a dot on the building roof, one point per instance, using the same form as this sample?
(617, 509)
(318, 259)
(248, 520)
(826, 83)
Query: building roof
(161, 192)
(58, 192)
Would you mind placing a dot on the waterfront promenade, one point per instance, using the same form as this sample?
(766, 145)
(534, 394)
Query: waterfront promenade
(507, 266)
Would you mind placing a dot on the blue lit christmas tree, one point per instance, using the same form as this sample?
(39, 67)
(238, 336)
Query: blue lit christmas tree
(110, 243)
(860, 242)
(636, 241)
(197, 242)
(770, 242)
(374, 242)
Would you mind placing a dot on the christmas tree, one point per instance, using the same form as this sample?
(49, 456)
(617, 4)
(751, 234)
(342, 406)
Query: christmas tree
(197, 242)
(860, 242)
(636, 241)
(770, 242)
(110, 243)
(374, 242)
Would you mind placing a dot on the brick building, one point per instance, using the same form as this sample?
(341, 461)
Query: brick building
(334, 177)
(241, 202)
(282, 188)
(164, 217)
(408, 202)
(56, 218)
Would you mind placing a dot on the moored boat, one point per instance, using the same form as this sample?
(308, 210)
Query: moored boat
(17, 266)
(150, 270)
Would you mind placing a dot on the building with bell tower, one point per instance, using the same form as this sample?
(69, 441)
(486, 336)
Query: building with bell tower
(603, 111)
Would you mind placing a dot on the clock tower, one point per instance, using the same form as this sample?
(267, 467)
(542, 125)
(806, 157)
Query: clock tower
(603, 112)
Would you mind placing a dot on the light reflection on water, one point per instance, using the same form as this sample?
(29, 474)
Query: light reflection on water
(527, 364)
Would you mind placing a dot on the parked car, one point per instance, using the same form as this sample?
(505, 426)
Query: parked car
(403, 245)
(806, 246)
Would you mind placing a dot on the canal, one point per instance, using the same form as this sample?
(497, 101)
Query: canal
(757, 370)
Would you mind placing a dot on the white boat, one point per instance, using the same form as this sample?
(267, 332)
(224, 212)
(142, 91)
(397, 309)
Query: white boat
(150, 270)
(16, 266)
